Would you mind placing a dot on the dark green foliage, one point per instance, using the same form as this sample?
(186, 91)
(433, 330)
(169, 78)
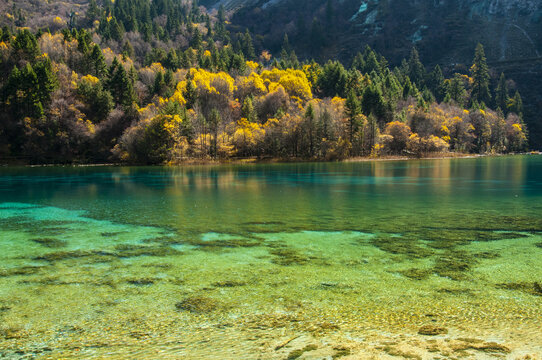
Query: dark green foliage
(353, 110)
(98, 101)
(480, 77)
(501, 94)
(373, 103)
(516, 104)
(436, 84)
(97, 65)
(26, 46)
(47, 81)
(120, 85)
(332, 81)
(248, 46)
(416, 70)
(455, 91)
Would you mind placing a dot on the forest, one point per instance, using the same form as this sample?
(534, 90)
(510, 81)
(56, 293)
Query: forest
(166, 81)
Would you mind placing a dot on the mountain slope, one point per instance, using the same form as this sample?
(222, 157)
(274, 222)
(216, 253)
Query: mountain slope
(445, 32)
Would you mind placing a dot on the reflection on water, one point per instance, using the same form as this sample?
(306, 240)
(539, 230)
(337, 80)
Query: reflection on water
(421, 259)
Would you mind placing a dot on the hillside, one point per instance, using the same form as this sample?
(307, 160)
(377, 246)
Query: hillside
(166, 81)
(443, 31)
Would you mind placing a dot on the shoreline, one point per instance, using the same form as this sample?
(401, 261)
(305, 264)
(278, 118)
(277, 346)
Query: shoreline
(258, 161)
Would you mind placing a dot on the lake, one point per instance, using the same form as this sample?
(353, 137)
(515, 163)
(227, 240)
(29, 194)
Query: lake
(415, 259)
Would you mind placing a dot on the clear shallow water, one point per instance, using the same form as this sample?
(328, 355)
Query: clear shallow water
(259, 261)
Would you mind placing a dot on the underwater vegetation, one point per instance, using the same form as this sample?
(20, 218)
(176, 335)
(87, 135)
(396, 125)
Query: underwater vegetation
(199, 305)
(50, 242)
(117, 252)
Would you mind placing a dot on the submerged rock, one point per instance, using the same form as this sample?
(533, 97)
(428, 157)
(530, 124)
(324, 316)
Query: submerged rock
(432, 330)
(298, 353)
(477, 344)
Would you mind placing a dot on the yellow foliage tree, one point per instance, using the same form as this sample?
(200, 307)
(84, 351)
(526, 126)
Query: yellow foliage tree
(295, 82)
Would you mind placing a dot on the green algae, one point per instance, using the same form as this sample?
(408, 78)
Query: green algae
(340, 351)
(142, 281)
(454, 265)
(408, 246)
(21, 271)
(229, 283)
(117, 252)
(127, 251)
(287, 257)
(534, 288)
(50, 242)
(417, 274)
(295, 354)
(199, 305)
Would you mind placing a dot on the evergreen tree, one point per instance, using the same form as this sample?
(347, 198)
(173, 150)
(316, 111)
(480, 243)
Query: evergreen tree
(214, 122)
(353, 110)
(516, 104)
(196, 39)
(190, 94)
(93, 13)
(26, 45)
(310, 127)
(436, 83)
(455, 91)
(121, 85)
(501, 94)
(47, 81)
(127, 50)
(248, 46)
(416, 71)
(98, 67)
(248, 110)
(480, 76)
(333, 79)
(116, 30)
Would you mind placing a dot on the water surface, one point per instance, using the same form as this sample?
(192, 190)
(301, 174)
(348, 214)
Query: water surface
(261, 261)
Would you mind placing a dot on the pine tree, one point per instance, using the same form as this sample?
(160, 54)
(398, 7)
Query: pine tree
(501, 95)
(26, 45)
(116, 29)
(127, 50)
(214, 122)
(480, 76)
(353, 110)
(190, 93)
(516, 104)
(47, 81)
(248, 110)
(248, 46)
(121, 85)
(309, 121)
(196, 39)
(436, 83)
(98, 67)
(416, 71)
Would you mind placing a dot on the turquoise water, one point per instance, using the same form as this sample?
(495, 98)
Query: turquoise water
(320, 260)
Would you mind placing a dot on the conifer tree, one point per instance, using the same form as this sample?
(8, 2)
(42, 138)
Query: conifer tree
(416, 71)
(353, 110)
(47, 81)
(501, 95)
(480, 76)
